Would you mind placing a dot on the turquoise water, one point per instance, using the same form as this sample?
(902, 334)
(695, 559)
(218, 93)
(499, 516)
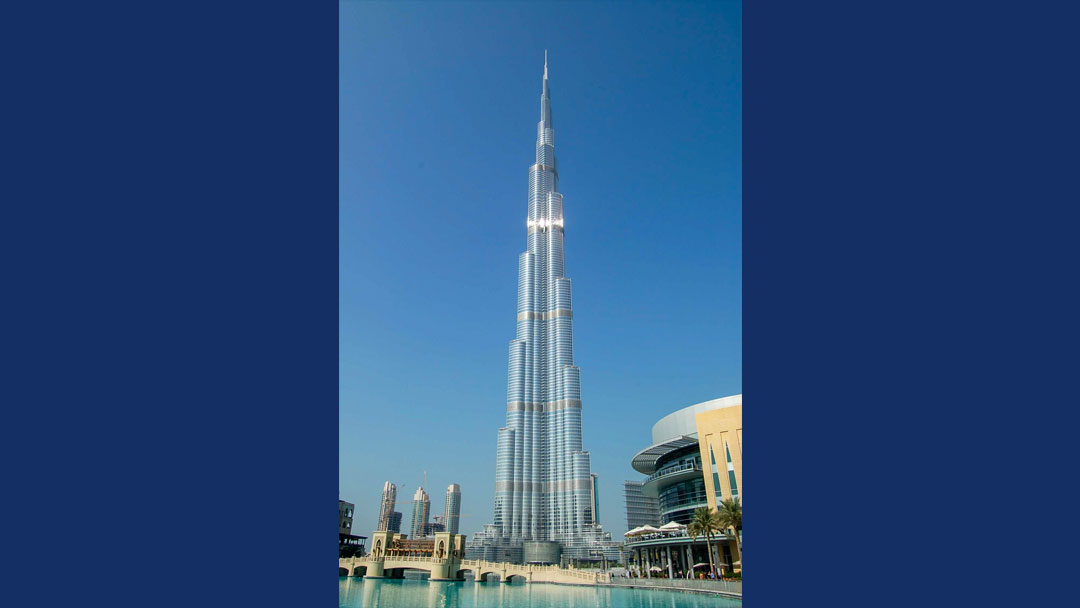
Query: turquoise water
(383, 593)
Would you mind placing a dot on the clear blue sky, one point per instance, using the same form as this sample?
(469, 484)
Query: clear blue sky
(438, 109)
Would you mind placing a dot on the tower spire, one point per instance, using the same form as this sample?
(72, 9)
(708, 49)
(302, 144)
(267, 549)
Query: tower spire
(545, 101)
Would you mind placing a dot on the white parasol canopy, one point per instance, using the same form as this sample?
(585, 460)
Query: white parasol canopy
(647, 528)
(633, 532)
(672, 525)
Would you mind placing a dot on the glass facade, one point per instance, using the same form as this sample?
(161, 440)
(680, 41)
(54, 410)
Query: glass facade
(678, 501)
(544, 486)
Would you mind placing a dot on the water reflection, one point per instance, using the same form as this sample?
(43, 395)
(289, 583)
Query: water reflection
(383, 593)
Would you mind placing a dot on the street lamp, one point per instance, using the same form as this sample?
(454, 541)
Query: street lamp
(603, 557)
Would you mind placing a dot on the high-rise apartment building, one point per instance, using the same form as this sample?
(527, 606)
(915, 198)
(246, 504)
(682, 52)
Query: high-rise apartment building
(421, 509)
(386, 506)
(452, 515)
(544, 487)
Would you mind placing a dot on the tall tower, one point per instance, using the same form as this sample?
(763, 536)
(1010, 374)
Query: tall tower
(421, 508)
(453, 508)
(386, 506)
(543, 479)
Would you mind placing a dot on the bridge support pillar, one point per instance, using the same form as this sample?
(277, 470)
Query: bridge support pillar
(380, 542)
(449, 550)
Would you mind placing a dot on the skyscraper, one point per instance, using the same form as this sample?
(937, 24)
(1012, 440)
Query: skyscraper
(421, 508)
(453, 508)
(543, 480)
(386, 507)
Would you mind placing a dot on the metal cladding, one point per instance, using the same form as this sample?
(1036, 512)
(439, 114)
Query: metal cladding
(543, 479)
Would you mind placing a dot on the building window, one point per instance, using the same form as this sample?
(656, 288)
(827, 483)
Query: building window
(731, 473)
(718, 494)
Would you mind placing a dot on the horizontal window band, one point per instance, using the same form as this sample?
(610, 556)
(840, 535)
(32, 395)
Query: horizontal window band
(545, 316)
(537, 486)
(532, 406)
(539, 167)
(534, 229)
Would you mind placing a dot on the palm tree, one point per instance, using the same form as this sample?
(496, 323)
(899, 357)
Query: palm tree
(705, 522)
(730, 516)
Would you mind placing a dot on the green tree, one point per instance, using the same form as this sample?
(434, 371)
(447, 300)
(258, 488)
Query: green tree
(729, 513)
(705, 522)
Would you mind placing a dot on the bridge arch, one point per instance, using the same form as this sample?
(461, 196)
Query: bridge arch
(398, 571)
(484, 574)
(517, 578)
(359, 571)
(342, 571)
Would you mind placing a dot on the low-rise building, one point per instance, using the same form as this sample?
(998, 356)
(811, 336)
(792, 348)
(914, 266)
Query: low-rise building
(641, 510)
(695, 461)
(349, 544)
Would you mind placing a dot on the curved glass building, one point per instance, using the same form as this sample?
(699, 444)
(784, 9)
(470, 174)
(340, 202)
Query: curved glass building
(677, 477)
(544, 486)
(695, 460)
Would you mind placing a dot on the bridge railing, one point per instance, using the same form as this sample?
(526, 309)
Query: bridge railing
(482, 565)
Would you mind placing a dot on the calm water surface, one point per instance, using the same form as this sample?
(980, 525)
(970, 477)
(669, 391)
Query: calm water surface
(375, 593)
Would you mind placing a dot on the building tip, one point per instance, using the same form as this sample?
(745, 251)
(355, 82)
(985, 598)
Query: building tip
(545, 63)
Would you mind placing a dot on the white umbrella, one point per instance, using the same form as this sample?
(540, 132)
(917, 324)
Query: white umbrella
(671, 525)
(698, 565)
(633, 532)
(656, 569)
(648, 528)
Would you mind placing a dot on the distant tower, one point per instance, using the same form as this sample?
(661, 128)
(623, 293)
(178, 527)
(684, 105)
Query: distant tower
(453, 508)
(395, 522)
(389, 495)
(421, 507)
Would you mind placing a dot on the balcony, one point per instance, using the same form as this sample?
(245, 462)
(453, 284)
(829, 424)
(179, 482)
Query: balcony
(669, 475)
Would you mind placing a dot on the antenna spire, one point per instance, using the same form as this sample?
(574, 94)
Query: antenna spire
(545, 63)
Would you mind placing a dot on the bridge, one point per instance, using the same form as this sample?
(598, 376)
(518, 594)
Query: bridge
(507, 572)
(443, 558)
